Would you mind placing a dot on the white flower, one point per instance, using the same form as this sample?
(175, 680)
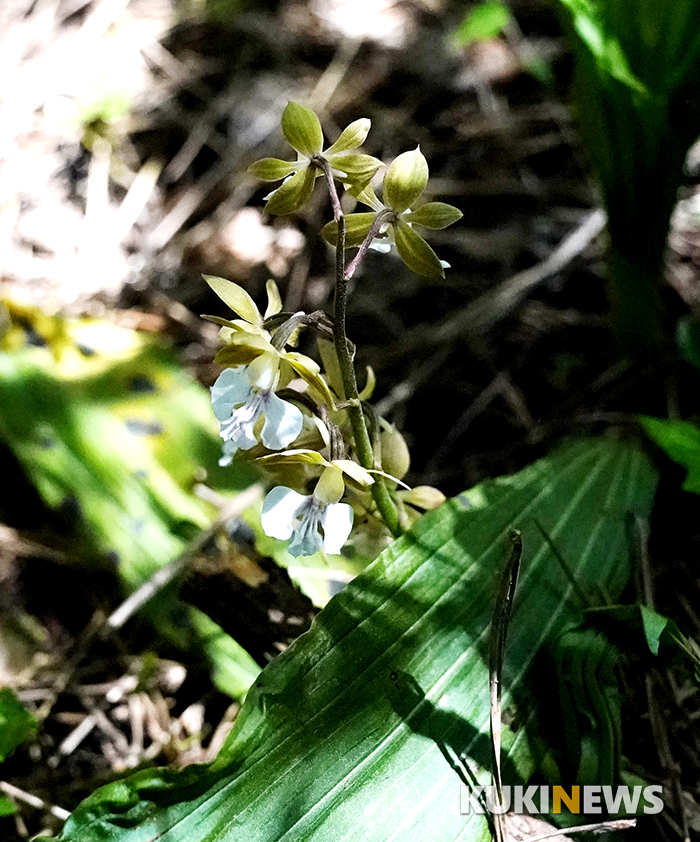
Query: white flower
(287, 513)
(239, 397)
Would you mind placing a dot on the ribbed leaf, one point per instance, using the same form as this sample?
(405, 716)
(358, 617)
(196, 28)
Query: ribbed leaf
(370, 723)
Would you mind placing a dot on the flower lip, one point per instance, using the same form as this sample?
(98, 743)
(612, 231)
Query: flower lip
(237, 406)
(289, 514)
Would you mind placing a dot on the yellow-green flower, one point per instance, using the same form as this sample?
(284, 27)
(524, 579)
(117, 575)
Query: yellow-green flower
(247, 339)
(302, 517)
(303, 130)
(392, 221)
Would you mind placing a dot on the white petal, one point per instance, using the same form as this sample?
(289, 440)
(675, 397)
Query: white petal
(279, 510)
(283, 422)
(229, 451)
(380, 246)
(337, 523)
(231, 389)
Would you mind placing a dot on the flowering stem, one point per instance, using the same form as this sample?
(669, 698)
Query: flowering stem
(363, 445)
(379, 220)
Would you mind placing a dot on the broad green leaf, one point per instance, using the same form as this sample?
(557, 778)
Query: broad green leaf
(7, 807)
(16, 723)
(374, 719)
(109, 427)
(681, 441)
(484, 22)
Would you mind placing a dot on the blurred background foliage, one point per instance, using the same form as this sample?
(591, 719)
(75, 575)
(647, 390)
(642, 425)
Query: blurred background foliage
(125, 132)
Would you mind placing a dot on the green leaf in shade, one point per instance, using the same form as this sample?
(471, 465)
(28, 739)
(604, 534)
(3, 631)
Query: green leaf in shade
(107, 424)
(16, 723)
(415, 252)
(654, 625)
(688, 340)
(654, 629)
(486, 21)
(377, 716)
(7, 807)
(681, 442)
(637, 103)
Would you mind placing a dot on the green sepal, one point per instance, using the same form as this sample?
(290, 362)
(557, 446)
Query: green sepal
(434, 215)
(310, 372)
(356, 472)
(358, 168)
(291, 195)
(424, 497)
(242, 349)
(272, 169)
(351, 137)
(302, 129)
(236, 298)
(217, 320)
(366, 195)
(274, 299)
(302, 456)
(356, 227)
(405, 180)
(415, 252)
(233, 355)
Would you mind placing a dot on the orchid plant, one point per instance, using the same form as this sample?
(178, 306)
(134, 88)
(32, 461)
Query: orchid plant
(340, 463)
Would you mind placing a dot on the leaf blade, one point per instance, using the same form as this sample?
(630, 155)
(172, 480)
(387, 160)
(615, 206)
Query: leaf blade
(369, 713)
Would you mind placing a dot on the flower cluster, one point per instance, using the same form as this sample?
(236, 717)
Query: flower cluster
(337, 463)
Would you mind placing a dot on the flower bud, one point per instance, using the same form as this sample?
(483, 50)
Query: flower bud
(405, 180)
(395, 456)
